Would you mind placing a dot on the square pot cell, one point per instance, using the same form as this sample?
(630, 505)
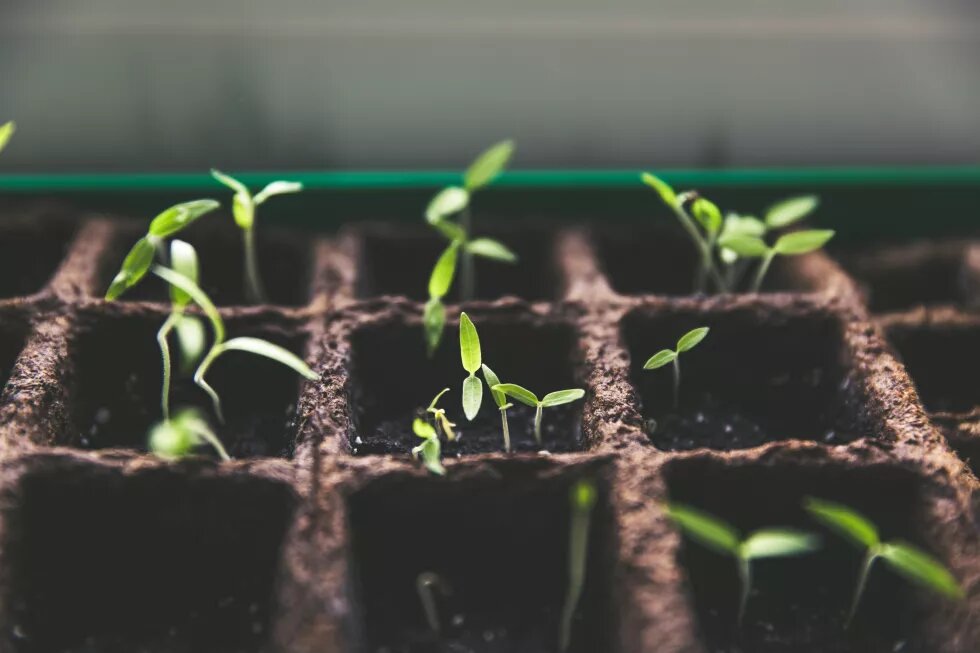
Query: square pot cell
(942, 359)
(285, 265)
(760, 375)
(154, 562)
(115, 382)
(499, 546)
(392, 381)
(399, 262)
(800, 604)
(903, 276)
(662, 260)
(30, 254)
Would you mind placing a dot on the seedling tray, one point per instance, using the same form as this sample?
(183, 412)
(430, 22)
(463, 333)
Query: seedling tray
(857, 373)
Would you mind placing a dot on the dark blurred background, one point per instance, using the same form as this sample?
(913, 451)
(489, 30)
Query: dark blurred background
(100, 85)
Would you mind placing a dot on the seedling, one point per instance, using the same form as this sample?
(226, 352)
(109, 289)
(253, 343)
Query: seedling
(688, 341)
(178, 437)
(451, 201)
(528, 398)
(910, 562)
(791, 244)
(500, 399)
(427, 584)
(6, 132)
(582, 499)
(244, 206)
(430, 451)
(469, 352)
(723, 538)
(439, 416)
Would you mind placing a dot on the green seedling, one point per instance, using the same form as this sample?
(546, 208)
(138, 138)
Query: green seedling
(244, 207)
(6, 132)
(723, 538)
(221, 346)
(178, 437)
(463, 247)
(430, 451)
(688, 341)
(427, 584)
(469, 352)
(439, 416)
(791, 244)
(582, 499)
(910, 562)
(528, 398)
(500, 399)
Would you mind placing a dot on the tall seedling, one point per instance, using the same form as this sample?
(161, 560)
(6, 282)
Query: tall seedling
(582, 498)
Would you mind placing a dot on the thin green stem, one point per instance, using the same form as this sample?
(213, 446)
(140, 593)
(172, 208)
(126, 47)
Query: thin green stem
(254, 290)
(208, 436)
(707, 265)
(869, 559)
(425, 585)
(745, 578)
(761, 272)
(467, 267)
(677, 382)
(537, 423)
(204, 385)
(162, 335)
(503, 421)
(578, 547)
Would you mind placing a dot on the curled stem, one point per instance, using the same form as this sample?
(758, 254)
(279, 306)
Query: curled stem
(162, 334)
(204, 385)
(254, 290)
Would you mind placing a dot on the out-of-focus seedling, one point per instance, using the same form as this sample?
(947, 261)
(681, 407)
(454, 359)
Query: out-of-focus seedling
(469, 352)
(220, 345)
(244, 206)
(447, 203)
(910, 562)
(439, 416)
(427, 584)
(178, 437)
(688, 341)
(723, 538)
(791, 244)
(7, 130)
(430, 451)
(500, 399)
(582, 501)
(528, 398)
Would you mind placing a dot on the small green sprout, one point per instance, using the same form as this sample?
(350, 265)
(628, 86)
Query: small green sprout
(528, 398)
(244, 206)
(907, 560)
(723, 538)
(688, 341)
(439, 416)
(469, 352)
(430, 450)
(427, 584)
(582, 499)
(178, 437)
(791, 244)
(447, 203)
(500, 399)
(6, 132)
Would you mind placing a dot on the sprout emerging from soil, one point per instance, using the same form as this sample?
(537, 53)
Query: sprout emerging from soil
(500, 399)
(688, 341)
(6, 132)
(427, 584)
(915, 565)
(447, 203)
(791, 244)
(582, 500)
(723, 538)
(430, 451)
(439, 416)
(220, 345)
(178, 437)
(469, 352)
(244, 206)
(528, 398)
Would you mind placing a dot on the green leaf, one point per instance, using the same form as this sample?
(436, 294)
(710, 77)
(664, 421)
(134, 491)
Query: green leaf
(802, 242)
(447, 202)
(492, 249)
(472, 396)
(272, 351)
(243, 210)
(844, 521)
(560, 397)
(661, 358)
(179, 216)
(692, 339)
(920, 567)
(191, 340)
(442, 274)
(277, 188)
(469, 344)
(433, 322)
(171, 440)
(431, 451)
(667, 193)
(499, 397)
(522, 395)
(784, 213)
(199, 297)
(7, 130)
(775, 543)
(134, 268)
(746, 246)
(450, 230)
(488, 165)
(435, 400)
(183, 260)
(230, 182)
(423, 429)
(705, 529)
(708, 214)
(743, 225)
